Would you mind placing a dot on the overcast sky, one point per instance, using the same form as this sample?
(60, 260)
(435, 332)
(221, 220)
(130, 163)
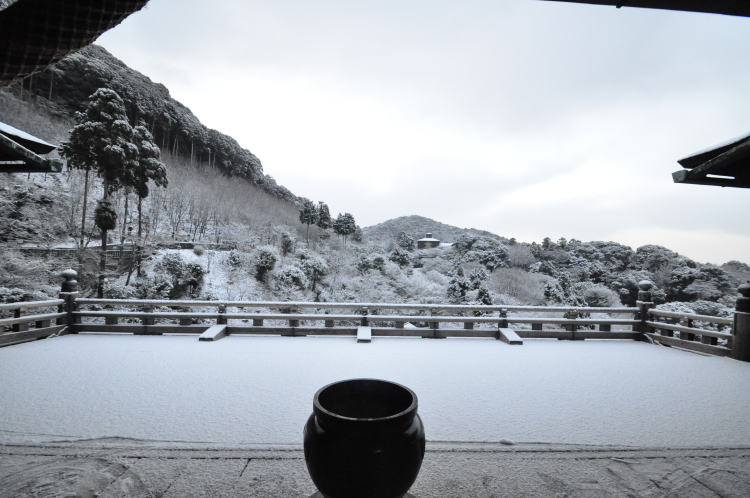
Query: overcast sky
(522, 117)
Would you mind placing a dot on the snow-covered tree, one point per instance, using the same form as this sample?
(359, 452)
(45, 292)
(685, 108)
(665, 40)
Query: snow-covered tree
(344, 225)
(308, 215)
(103, 140)
(405, 241)
(323, 216)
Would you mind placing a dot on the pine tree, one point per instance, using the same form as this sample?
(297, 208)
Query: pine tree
(344, 225)
(308, 215)
(103, 140)
(150, 168)
(324, 216)
(405, 241)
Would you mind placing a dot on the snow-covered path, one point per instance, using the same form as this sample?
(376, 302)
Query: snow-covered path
(258, 390)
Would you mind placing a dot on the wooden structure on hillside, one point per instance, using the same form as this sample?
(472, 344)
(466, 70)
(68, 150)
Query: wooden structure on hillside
(21, 152)
(728, 7)
(428, 242)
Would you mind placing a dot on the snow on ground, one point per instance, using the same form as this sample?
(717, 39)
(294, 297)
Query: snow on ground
(258, 390)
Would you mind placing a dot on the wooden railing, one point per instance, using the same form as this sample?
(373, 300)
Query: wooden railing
(17, 325)
(215, 319)
(692, 331)
(384, 319)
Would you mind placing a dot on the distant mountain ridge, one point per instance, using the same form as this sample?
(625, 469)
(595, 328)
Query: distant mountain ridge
(417, 226)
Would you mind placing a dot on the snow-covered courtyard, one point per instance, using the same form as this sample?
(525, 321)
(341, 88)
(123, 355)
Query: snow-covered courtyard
(258, 390)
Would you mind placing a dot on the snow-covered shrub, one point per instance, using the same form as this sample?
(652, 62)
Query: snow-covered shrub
(400, 257)
(595, 295)
(289, 277)
(185, 278)
(199, 250)
(234, 260)
(265, 260)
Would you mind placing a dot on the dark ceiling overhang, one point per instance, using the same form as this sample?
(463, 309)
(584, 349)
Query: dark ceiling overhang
(726, 165)
(20, 153)
(728, 7)
(37, 33)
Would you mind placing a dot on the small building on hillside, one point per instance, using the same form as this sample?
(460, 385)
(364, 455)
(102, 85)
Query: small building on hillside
(427, 242)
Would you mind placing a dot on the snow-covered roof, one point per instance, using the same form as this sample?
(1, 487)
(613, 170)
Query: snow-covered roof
(29, 141)
(253, 389)
(428, 239)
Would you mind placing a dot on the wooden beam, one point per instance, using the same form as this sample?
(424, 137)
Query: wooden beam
(509, 336)
(690, 345)
(685, 176)
(214, 333)
(29, 335)
(364, 333)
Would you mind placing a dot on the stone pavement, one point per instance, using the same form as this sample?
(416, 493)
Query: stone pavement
(119, 468)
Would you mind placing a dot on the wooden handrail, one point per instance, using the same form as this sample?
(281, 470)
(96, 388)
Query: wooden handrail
(690, 330)
(30, 304)
(371, 306)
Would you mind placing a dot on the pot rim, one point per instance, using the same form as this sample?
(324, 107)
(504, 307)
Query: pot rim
(411, 408)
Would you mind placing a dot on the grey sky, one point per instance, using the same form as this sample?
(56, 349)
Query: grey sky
(525, 118)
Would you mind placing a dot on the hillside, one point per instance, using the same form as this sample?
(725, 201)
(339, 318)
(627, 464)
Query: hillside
(416, 226)
(64, 88)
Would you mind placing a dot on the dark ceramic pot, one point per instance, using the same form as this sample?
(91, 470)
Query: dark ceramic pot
(364, 439)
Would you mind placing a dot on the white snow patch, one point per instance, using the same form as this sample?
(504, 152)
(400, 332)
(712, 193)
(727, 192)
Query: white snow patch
(259, 389)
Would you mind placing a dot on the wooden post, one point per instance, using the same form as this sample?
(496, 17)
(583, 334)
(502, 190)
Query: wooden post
(110, 320)
(688, 336)
(644, 303)
(605, 327)
(364, 322)
(399, 325)
(741, 330)
(294, 323)
(222, 320)
(537, 326)
(257, 322)
(503, 323)
(148, 320)
(69, 292)
(468, 325)
(19, 327)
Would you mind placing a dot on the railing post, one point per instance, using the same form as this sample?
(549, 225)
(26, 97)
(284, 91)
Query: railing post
(503, 323)
(741, 330)
(222, 320)
(293, 323)
(364, 312)
(19, 327)
(257, 322)
(644, 303)
(688, 336)
(69, 293)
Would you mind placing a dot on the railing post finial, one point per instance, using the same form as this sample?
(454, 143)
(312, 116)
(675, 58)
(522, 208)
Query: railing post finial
(741, 329)
(644, 290)
(70, 284)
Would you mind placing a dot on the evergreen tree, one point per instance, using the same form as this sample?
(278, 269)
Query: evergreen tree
(150, 169)
(324, 216)
(103, 140)
(406, 241)
(308, 215)
(344, 225)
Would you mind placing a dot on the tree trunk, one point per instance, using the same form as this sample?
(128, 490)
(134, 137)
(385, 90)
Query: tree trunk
(83, 211)
(140, 235)
(124, 220)
(103, 252)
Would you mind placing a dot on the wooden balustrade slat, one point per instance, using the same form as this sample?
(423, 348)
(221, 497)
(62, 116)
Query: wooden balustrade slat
(691, 345)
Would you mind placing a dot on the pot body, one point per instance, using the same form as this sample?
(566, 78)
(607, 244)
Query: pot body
(365, 458)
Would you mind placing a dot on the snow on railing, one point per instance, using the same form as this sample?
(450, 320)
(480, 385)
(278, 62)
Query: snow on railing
(17, 327)
(702, 333)
(215, 319)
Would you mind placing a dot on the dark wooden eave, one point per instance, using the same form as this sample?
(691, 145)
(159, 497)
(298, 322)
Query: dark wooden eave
(727, 165)
(20, 153)
(728, 7)
(37, 33)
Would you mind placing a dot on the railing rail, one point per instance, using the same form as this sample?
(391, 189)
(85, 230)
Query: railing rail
(696, 337)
